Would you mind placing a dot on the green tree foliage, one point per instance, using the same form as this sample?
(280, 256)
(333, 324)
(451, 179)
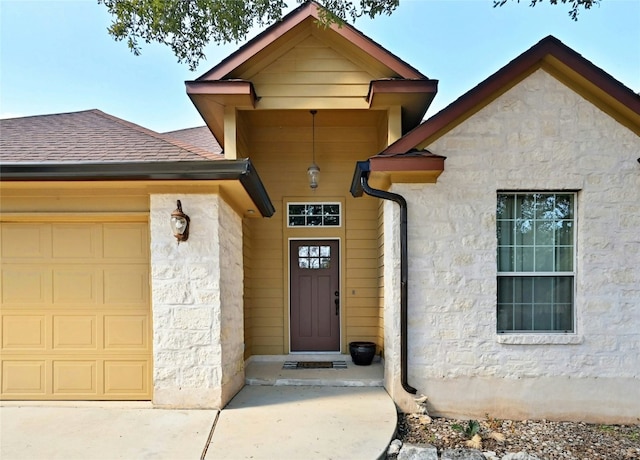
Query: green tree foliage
(573, 12)
(187, 26)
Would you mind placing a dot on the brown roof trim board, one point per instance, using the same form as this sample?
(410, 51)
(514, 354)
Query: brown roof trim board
(291, 20)
(416, 97)
(241, 170)
(393, 85)
(550, 54)
(412, 161)
(232, 87)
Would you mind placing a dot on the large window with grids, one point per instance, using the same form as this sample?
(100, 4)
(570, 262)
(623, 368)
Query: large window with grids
(536, 262)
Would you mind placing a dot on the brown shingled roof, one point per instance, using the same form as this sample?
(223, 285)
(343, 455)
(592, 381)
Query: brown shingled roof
(200, 137)
(90, 136)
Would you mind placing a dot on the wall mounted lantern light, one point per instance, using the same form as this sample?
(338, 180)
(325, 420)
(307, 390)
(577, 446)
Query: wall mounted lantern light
(180, 224)
(313, 171)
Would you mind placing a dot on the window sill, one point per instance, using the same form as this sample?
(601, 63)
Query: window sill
(540, 339)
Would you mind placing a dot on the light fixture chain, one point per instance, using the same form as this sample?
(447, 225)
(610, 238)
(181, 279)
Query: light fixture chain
(313, 135)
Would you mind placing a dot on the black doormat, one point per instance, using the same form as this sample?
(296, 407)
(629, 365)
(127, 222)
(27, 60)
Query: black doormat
(315, 365)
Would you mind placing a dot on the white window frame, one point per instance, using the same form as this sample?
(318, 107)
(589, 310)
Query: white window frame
(529, 274)
(314, 203)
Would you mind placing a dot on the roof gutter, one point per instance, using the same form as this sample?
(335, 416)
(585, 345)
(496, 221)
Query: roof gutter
(240, 170)
(359, 185)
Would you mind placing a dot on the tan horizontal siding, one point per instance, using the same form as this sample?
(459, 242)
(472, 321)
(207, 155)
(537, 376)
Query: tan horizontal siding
(363, 311)
(312, 78)
(311, 74)
(362, 292)
(263, 310)
(269, 322)
(360, 253)
(370, 332)
(275, 343)
(282, 154)
(362, 321)
(362, 283)
(361, 263)
(263, 289)
(364, 273)
(304, 90)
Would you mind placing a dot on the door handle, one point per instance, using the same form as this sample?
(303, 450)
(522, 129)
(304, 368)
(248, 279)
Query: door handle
(337, 301)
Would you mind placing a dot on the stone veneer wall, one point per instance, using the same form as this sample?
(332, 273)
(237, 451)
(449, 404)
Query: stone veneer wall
(232, 294)
(539, 135)
(197, 303)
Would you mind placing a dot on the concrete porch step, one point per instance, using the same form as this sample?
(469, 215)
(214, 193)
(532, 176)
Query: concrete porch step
(269, 371)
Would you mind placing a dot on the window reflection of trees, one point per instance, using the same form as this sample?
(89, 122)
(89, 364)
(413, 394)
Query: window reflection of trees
(314, 215)
(314, 257)
(535, 233)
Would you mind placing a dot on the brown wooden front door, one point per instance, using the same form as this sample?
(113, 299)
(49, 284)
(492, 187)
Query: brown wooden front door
(315, 295)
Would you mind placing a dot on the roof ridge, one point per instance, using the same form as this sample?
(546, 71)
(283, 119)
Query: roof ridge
(183, 129)
(40, 115)
(166, 138)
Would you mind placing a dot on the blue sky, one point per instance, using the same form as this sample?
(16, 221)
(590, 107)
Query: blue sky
(56, 55)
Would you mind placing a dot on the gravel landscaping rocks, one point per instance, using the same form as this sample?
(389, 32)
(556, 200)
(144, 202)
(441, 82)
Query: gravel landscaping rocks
(508, 439)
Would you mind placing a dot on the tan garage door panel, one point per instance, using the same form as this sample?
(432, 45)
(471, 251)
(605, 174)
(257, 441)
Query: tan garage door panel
(75, 314)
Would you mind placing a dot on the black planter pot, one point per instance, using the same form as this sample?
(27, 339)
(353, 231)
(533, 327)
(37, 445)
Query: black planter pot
(362, 353)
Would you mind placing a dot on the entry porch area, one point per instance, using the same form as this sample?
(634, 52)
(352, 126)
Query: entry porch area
(280, 370)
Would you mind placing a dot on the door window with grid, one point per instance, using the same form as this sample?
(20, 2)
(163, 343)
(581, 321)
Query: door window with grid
(536, 262)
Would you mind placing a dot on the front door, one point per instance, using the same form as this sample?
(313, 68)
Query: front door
(315, 295)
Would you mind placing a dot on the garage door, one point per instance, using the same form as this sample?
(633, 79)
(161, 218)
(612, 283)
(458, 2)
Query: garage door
(75, 311)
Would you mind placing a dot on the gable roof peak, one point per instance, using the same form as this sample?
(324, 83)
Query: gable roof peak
(551, 55)
(308, 10)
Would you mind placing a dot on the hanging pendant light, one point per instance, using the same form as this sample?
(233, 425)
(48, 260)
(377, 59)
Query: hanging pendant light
(313, 171)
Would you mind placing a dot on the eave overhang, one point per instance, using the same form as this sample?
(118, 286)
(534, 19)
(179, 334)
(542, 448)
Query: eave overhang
(416, 167)
(211, 96)
(241, 171)
(414, 96)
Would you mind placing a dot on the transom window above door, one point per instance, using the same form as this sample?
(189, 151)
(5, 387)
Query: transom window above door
(314, 257)
(313, 215)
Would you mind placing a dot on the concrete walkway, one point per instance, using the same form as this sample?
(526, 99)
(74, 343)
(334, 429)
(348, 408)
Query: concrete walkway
(305, 422)
(102, 432)
(261, 422)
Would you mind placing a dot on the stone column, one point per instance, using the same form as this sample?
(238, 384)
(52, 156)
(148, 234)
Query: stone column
(197, 303)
